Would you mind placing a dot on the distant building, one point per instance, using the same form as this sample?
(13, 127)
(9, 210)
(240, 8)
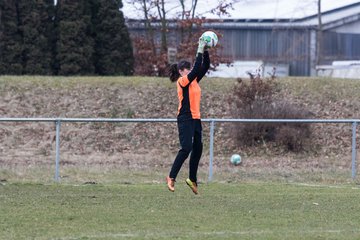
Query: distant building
(281, 32)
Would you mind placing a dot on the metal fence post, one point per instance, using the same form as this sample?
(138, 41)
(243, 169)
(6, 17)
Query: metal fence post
(212, 126)
(353, 151)
(57, 146)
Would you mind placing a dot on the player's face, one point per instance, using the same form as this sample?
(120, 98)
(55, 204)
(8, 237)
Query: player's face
(184, 72)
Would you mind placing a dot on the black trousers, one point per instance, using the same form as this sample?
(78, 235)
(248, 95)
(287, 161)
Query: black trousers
(190, 136)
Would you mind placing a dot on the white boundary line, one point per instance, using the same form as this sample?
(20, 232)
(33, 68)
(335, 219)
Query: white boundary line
(216, 233)
(325, 186)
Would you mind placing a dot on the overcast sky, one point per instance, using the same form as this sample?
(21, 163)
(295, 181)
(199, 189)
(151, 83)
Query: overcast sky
(246, 9)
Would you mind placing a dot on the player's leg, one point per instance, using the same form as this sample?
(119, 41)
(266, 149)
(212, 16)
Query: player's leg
(195, 156)
(186, 133)
(196, 152)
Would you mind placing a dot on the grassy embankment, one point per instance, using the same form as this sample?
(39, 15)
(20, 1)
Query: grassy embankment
(115, 152)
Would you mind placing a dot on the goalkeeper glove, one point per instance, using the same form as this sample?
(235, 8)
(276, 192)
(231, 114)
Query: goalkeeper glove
(201, 45)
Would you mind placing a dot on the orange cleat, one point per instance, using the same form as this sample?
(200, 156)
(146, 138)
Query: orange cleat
(170, 183)
(192, 185)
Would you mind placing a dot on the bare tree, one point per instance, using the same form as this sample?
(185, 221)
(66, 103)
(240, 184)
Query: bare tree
(149, 61)
(145, 7)
(319, 35)
(160, 5)
(193, 8)
(188, 17)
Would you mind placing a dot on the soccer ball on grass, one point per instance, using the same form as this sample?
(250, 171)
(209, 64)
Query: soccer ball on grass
(235, 159)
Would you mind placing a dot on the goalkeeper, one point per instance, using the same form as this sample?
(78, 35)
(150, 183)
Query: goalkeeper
(188, 117)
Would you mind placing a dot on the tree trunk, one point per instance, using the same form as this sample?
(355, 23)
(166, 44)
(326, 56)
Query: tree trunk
(319, 36)
(148, 27)
(162, 14)
(193, 9)
(182, 19)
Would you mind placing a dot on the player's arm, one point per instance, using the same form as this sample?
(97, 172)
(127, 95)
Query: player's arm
(205, 66)
(196, 69)
(184, 81)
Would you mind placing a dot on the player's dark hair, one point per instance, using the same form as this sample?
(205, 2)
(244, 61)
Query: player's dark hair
(174, 69)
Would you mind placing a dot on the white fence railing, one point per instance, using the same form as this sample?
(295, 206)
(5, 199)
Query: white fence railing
(212, 122)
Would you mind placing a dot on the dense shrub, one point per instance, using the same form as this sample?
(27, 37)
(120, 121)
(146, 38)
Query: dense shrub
(259, 99)
(149, 61)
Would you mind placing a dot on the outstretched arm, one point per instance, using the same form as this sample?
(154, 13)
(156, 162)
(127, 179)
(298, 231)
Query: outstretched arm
(205, 66)
(184, 81)
(195, 71)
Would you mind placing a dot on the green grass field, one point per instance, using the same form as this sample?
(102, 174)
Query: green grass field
(150, 211)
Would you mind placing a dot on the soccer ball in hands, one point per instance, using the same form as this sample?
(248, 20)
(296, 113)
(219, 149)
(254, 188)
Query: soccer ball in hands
(235, 159)
(210, 38)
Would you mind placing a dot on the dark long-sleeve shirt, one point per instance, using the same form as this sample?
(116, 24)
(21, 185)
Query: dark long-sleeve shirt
(189, 91)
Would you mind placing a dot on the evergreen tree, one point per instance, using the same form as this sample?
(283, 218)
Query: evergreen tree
(35, 26)
(74, 45)
(11, 39)
(73, 38)
(113, 49)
